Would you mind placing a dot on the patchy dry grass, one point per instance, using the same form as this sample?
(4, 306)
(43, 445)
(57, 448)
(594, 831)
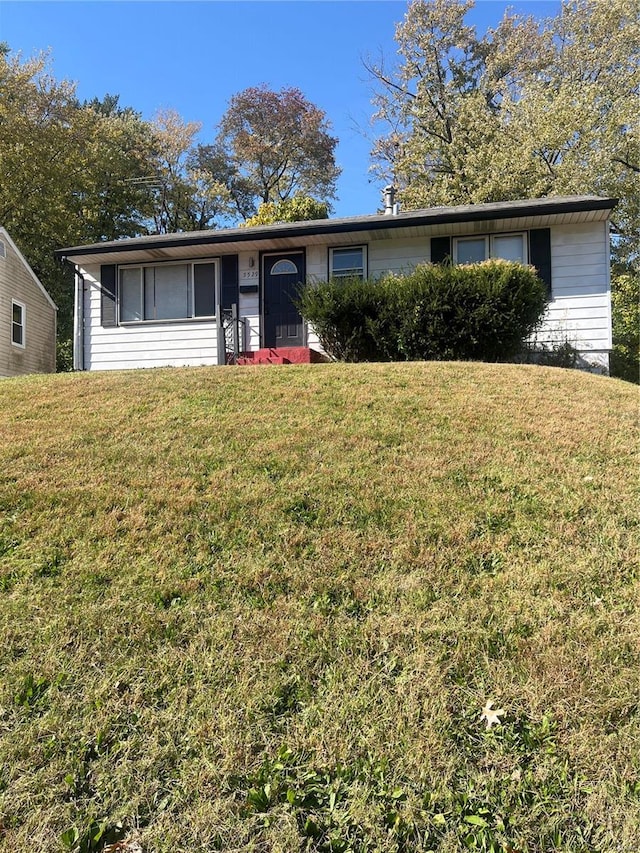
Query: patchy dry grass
(262, 610)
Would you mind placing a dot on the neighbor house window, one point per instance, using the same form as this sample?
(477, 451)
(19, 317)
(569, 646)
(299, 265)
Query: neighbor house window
(509, 247)
(18, 312)
(348, 263)
(167, 292)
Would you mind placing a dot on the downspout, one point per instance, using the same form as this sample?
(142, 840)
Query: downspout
(78, 317)
(607, 226)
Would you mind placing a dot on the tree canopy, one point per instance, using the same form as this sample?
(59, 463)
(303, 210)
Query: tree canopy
(279, 145)
(69, 171)
(73, 173)
(299, 208)
(528, 109)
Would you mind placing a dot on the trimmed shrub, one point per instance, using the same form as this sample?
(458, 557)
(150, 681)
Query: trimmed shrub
(346, 314)
(480, 312)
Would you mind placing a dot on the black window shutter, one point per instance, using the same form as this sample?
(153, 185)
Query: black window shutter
(540, 254)
(108, 281)
(440, 250)
(228, 281)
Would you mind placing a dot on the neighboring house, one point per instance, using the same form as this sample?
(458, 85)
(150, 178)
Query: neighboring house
(27, 316)
(162, 300)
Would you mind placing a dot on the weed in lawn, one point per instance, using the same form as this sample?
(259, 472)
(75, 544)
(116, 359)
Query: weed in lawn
(31, 692)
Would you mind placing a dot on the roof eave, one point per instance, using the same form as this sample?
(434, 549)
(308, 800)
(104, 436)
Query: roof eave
(430, 217)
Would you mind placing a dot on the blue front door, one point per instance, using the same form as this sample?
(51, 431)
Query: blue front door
(283, 275)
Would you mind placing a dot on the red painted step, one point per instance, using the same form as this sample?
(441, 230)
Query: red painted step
(281, 355)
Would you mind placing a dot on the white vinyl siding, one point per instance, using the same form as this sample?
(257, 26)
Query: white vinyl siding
(249, 304)
(580, 308)
(396, 256)
(316, 260)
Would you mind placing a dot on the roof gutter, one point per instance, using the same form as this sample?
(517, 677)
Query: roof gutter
(434, 216)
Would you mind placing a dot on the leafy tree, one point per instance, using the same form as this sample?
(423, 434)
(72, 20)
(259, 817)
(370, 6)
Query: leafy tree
(233, 193)
(625, 306)
(277, 145)
(68, 171)
(173, 187)
(297, 209)
(111, 195)
(192, 185)
(530, 108)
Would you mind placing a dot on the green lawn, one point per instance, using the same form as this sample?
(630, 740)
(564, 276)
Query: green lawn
(262, 609)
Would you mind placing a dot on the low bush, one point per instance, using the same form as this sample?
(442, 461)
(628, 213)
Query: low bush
(480, 312)
(64, 355)
(562, 354)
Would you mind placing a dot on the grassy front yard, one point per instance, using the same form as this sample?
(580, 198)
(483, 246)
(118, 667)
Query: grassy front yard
(263, 609)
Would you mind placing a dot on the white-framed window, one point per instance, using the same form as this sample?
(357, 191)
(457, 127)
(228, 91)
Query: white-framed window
(470, 250)
(3, 249)
(509, 247)
(348, 262)
(179, 291)
(18, 323)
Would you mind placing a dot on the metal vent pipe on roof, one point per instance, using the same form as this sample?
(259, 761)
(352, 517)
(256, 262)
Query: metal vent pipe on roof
(390, 208)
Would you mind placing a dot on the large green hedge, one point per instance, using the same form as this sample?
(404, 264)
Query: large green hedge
(482, 312)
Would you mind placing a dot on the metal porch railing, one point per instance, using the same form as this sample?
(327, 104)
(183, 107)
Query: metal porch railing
(235, 334)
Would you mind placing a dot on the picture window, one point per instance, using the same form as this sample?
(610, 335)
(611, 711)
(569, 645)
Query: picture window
(167, 292)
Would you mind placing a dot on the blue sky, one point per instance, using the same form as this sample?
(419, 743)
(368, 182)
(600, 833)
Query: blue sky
(193, 56)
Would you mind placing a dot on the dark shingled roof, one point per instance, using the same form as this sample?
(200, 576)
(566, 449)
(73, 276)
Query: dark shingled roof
(354, 224)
